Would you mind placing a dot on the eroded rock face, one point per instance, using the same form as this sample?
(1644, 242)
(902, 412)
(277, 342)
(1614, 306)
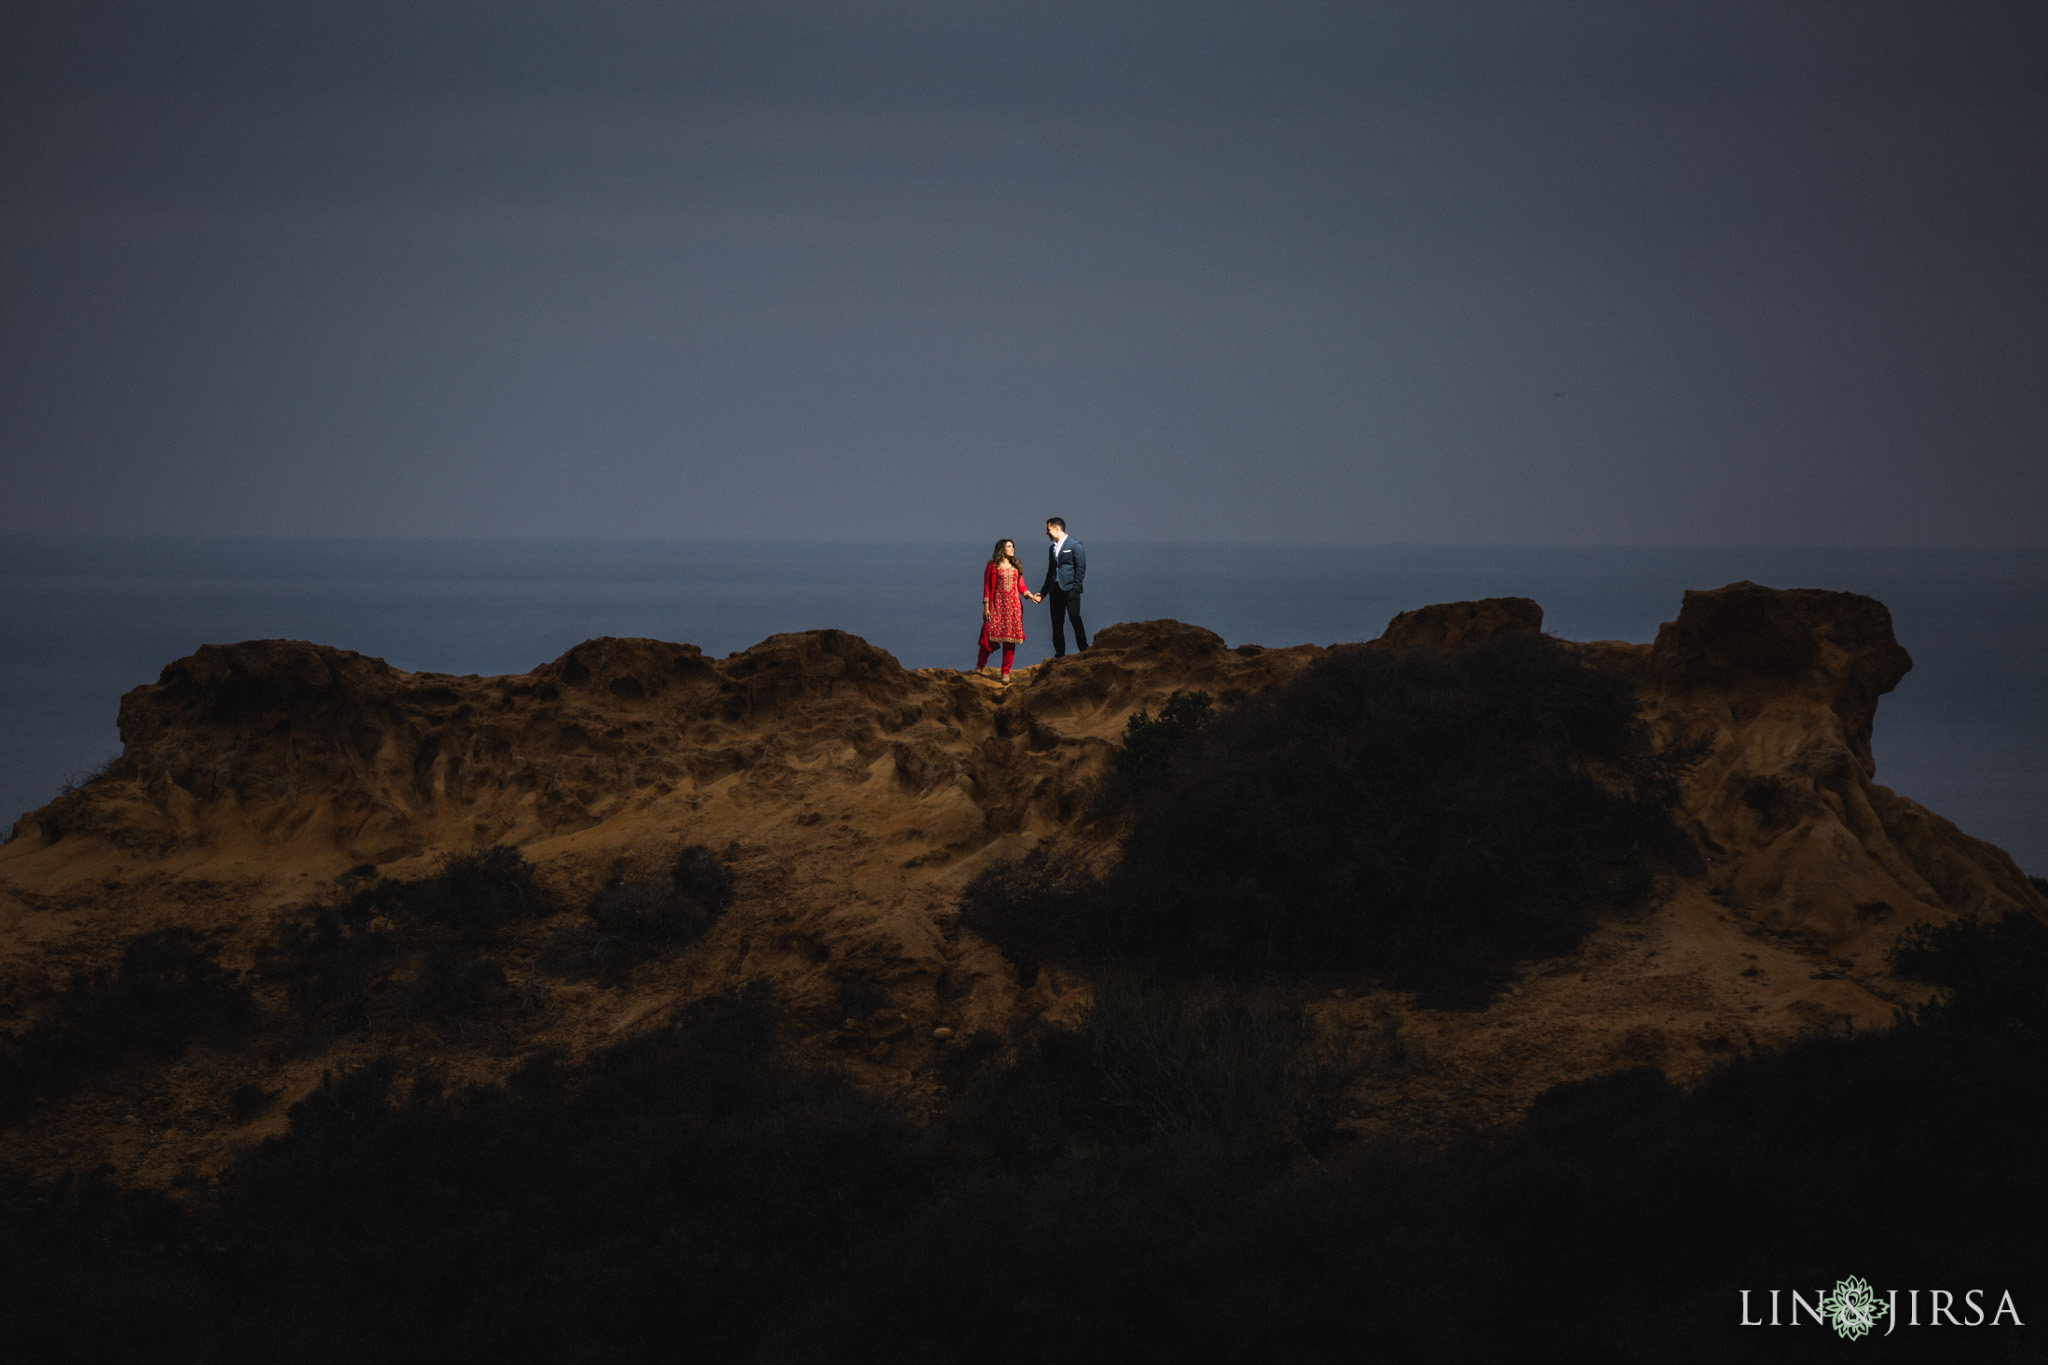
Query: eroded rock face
(1779, 690)
(1447, 625)
(1761, 645)
(287, 735)
(302, 743)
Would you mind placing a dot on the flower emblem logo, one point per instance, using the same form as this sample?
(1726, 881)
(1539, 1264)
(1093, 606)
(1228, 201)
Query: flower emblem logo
(1852, 1309)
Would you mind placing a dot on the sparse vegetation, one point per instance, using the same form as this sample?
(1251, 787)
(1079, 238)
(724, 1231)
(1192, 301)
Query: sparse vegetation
(406, 948)
(1990, 973)
(85, 777)
(168, 991)
(1435, 817)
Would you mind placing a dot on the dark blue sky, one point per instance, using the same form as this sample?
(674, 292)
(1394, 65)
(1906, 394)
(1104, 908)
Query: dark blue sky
(1571, 273)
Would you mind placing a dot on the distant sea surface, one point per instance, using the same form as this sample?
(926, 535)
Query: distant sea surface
(82, 620)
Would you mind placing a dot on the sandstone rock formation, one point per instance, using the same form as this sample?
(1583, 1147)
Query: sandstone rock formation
(855, 798)
(1783, 688)
(313, 751)
(1449, 624)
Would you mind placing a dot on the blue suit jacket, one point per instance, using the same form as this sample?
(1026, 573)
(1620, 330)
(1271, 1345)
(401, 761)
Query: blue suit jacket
(1067, 568)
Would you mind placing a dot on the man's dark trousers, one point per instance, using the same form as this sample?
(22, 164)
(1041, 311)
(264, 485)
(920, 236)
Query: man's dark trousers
(1065, 605)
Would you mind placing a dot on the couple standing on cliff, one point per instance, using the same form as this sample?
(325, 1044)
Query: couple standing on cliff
(1002, 584)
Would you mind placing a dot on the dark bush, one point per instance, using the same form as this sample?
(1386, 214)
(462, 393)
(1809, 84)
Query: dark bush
(332, 959)
(1250, 1062)
(1042, 907)
(1243, 1068)
(168, 991)
(1991, 973)
(675, 1189)
(674, 909)
(857, 997)
(702, 879)
(248, 1100)
(1432, 816)
(449, 981)
(474, 894)
(418, 947)
(631, 908)
(92, 1271)
(339, 1113)
(1150, 742)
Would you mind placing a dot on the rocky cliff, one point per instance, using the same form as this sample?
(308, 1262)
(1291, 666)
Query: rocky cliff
(854, 798)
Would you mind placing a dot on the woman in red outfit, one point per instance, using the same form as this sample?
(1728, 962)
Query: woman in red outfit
(1002, 615)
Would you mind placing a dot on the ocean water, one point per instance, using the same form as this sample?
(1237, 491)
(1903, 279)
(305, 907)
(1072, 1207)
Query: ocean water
(82, 620)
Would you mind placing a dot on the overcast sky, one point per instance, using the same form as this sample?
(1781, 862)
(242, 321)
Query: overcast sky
(1573, 273)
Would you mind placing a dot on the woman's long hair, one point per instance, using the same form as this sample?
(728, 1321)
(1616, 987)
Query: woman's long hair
(996, 556)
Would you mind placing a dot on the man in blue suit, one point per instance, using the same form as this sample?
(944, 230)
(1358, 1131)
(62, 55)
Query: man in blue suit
(1066, 564)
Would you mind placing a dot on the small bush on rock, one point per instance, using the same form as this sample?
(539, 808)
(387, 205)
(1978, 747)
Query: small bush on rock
(675, 909)
(1150, 742)
(473, 893)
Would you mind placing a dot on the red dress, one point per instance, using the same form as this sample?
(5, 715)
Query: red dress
(1001, 587)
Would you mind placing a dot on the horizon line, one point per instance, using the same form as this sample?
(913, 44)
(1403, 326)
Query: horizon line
(190, 537)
